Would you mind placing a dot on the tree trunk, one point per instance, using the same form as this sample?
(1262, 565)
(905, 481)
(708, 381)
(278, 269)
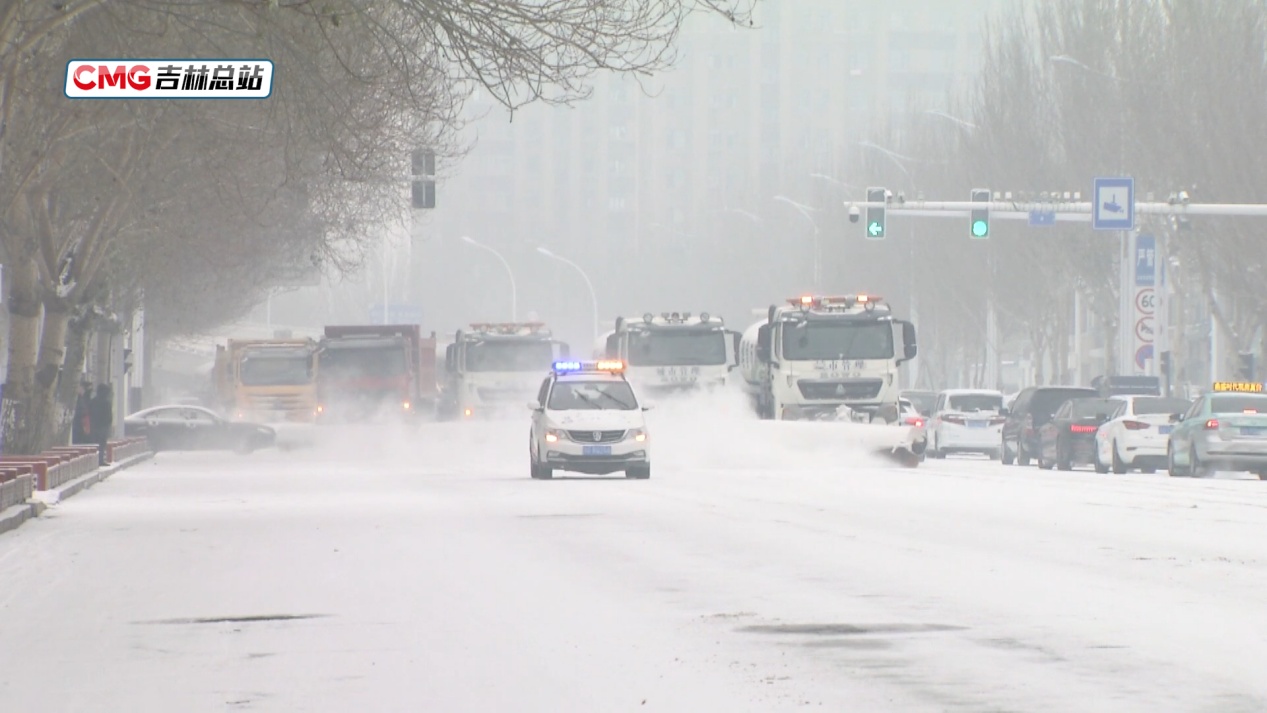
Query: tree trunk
(45, 418)
(77, 333)
(25, 310)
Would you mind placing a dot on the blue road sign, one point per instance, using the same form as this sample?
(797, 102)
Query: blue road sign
(1113, 204)
(1145, 261)
(1042, 217)
(396, 314)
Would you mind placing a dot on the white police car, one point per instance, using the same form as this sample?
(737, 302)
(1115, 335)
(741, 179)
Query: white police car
(587, 420)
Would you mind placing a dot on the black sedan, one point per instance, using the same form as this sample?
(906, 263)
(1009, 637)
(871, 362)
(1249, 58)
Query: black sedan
(1068, 439)
(193, 428)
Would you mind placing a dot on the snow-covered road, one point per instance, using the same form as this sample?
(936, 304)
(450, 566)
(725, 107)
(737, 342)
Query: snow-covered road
(760, 569)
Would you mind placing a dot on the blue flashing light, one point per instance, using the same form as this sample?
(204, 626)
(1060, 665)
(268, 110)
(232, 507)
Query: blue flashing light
(565, 366)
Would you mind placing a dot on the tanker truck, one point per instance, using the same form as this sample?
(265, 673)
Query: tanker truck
(833, 358)
(674, 352)
(496, 367)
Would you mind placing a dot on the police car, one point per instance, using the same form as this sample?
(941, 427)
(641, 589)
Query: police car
(587, 419)
(1224, 429)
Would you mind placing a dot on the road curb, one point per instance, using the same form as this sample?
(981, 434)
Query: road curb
(41, 500)
(14, 515)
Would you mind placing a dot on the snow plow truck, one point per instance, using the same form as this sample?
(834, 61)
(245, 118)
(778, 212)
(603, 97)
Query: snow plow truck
(675, 352)
(834, 358)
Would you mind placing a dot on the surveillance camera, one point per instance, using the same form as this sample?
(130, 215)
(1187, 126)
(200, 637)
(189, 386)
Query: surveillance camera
(854, 214)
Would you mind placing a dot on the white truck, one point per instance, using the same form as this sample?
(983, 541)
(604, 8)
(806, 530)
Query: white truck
(674, 352)
(832, 358)
(494, 368)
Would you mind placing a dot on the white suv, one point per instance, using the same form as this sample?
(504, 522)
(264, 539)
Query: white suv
(587, 420)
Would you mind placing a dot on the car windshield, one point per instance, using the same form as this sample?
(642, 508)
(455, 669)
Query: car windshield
(274, 370)
(1150, 406)
(1044, 403)
(592, 396)
(968, 403)
(1241, 403)
(923, 402)
(823, 340)
(362, 362)
(1094, 408)
(510, 355)
(677, 347)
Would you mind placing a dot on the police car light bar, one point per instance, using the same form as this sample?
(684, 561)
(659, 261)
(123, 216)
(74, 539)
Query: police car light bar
(607, 365)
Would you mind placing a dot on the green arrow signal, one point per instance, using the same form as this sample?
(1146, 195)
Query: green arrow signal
(875, 228)
(980, 228)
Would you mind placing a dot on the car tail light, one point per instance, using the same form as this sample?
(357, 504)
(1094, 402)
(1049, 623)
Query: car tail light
(1212, 424)
(914, 421)
(1029, 423)
(1135, 425)
(953, 419)
(1082, 428)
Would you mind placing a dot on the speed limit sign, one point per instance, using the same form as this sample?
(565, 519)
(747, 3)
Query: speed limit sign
(1145, 300)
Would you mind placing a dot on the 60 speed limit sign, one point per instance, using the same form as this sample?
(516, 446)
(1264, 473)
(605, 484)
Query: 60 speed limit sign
(1145, 301)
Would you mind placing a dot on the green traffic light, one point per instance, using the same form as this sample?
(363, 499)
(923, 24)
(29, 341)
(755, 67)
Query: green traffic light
(875, 229)
(980, 228)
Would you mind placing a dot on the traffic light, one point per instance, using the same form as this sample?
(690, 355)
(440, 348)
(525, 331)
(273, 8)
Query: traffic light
(1246, 371)
(875, 216)
(981, 216)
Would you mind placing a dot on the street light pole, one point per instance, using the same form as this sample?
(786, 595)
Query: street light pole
(588, 284)
(514, 294)
(804, 211)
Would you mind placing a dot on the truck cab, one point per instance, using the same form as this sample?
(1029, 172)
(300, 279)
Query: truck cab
(674, 352)
(267, 380)
(372, 372)
(494, 367)
(819, 354)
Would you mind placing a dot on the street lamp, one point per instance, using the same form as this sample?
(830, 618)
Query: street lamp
(588, 284)
(953, 119)
(514, 297)
(804, 211)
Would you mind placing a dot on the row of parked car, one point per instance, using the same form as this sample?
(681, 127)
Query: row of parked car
(1067, 426)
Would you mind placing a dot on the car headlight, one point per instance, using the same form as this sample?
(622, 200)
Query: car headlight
(639, 434)
(552, 436)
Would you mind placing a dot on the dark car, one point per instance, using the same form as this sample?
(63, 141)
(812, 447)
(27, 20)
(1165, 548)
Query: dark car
(1031, 410)
(192, 428)
(1068, 439)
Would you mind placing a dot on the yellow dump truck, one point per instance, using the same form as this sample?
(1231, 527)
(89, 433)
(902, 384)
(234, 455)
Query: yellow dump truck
(267, 380)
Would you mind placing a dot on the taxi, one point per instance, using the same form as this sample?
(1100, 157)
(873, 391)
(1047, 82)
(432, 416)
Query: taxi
(1226, 429)
(587, 419)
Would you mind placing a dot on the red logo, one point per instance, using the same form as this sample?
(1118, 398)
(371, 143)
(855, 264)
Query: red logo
(87, 77)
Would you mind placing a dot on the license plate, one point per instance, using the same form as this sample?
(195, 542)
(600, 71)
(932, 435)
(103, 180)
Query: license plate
(596, 450)
(977, 424)
(1163, 430)
(1253, 431)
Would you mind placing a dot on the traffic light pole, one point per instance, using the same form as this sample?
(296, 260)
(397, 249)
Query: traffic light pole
(1063, 212)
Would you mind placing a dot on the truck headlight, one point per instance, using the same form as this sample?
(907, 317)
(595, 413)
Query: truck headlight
(405, 405)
